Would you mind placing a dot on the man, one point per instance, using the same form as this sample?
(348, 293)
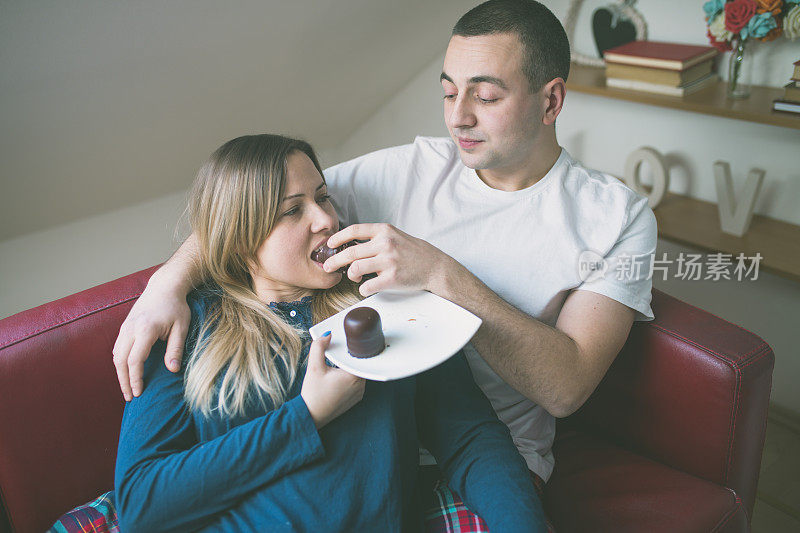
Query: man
(495, 219)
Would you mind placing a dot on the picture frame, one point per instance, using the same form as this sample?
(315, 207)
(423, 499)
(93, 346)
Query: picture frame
(622, 8)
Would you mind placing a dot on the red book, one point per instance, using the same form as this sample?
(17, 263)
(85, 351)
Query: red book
(656, 54)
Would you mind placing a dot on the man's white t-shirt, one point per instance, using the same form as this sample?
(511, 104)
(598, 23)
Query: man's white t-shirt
(527, 246)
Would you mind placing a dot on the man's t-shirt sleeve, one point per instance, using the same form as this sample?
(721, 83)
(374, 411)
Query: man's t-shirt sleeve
(627, 276)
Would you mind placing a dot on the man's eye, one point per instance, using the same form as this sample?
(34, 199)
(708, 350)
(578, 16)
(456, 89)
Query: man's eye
(487, 100)
(449, 96)
(324, 198)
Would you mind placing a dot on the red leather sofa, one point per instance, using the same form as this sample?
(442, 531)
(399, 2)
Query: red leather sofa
(670, 441)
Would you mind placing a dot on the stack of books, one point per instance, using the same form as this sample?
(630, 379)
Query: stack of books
(659, 67)
(791, 94)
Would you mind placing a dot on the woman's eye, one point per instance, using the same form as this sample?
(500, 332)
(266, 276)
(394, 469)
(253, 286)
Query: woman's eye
(292, 211)
(324, 198)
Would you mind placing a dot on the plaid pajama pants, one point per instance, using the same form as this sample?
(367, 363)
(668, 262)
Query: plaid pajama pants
(446, 513)
(97, 516)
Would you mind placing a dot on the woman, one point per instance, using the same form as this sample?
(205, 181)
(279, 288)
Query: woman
(256, 431)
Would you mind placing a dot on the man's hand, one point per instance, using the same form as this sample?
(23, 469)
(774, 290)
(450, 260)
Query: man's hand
(399, 260)
(159, 313)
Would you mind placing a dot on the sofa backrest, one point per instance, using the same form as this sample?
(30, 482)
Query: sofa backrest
(60, 403)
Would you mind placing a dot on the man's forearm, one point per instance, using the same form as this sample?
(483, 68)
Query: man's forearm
(539, 361)
(181, 272)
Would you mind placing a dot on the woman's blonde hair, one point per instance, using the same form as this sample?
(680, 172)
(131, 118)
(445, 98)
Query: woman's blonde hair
(244, 350)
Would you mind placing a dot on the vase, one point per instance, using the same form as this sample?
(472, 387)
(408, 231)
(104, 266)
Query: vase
(736, 88)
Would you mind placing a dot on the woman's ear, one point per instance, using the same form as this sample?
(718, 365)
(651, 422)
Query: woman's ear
(250, 266)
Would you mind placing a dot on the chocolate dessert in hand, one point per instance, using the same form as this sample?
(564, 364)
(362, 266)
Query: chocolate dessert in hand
(362, 328)
(323, 253)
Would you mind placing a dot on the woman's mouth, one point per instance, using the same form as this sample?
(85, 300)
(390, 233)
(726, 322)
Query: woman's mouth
(323, 253)
(319, 255)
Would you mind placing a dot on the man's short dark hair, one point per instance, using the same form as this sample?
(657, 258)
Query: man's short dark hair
(546, 47)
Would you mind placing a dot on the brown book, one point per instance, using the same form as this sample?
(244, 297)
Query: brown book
(791, 92)
(676, 78)
(657, 54)
(643, 86)
(796, 75)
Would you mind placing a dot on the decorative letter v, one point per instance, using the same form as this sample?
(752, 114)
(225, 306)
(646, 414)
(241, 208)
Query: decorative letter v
(735, 217)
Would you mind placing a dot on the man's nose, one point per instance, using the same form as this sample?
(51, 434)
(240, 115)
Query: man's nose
(461, 114)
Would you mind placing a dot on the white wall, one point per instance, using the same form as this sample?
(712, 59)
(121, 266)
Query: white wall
(107, 104)
(50, 264)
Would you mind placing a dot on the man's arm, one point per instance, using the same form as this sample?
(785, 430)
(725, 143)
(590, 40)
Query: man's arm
(160, 312)
(558, 368)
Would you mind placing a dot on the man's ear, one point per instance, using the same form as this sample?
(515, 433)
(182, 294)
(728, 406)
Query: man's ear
(553, 94)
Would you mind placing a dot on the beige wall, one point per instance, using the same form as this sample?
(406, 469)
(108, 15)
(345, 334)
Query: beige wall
(107, 104)
(53, 263)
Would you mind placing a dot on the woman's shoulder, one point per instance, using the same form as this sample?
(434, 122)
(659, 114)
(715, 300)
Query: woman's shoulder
(203, 297)
(201, 301)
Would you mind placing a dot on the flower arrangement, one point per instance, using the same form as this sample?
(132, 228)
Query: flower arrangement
(731, 22)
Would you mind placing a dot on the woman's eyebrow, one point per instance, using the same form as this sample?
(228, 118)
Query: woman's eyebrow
(321, 185)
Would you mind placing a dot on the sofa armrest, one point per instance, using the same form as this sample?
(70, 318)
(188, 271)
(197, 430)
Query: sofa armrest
(60, 404)
(690, 390)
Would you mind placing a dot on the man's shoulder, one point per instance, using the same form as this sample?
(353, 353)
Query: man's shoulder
(584, 176)
(601, 188)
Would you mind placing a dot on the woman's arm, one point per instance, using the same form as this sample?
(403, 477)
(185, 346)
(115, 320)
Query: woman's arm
(166, 480)
(474, 449)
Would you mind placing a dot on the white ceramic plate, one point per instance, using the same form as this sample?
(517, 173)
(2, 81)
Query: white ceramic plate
(421, 329)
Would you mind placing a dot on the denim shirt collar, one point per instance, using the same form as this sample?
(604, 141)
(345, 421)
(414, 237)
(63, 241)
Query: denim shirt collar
(296, 313)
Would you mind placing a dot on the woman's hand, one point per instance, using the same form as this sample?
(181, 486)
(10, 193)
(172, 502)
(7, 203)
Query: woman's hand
(328, 391)
(161, 312)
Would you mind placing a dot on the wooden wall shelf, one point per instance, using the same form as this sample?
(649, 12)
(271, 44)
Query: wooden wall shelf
(696, 223)
(708, 101)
